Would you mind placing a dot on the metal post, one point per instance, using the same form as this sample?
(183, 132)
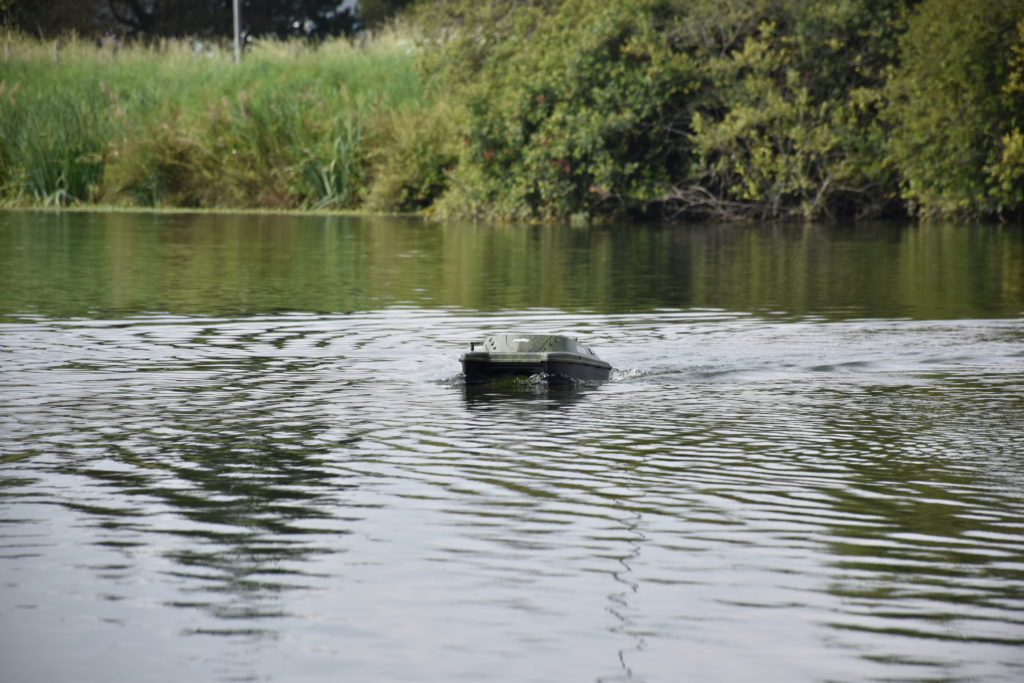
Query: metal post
(236, 6)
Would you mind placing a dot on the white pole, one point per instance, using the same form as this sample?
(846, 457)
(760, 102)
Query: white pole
(237, 10)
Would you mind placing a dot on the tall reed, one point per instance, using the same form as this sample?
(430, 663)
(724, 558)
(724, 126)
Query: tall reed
(52, 145)
(180, 124)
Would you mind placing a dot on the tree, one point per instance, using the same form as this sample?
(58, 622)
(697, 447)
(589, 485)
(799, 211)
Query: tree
(790, 122)
(1006, 173)
(280, 18)
(955, 112)
(50, 18)
(741, 108)
(179, 18)
(572, 108)
(374, 13)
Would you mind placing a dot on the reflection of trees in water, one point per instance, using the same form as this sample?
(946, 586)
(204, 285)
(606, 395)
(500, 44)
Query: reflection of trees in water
(531, 410)
(522, 395)
(921, 538)
(125, 263)
(242, 473)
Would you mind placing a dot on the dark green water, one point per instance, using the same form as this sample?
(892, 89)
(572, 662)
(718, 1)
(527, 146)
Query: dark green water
(238, 448)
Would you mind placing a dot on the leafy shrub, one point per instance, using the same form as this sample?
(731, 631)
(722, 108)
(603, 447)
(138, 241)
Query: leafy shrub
(571, 108)
(956, 108)
(791, 125)
(744, 108)
(411, 152)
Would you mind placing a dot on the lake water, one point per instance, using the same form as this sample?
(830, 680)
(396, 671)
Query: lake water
(238, 448)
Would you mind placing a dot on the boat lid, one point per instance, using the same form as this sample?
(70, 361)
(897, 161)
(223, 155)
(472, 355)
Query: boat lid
(533, 343)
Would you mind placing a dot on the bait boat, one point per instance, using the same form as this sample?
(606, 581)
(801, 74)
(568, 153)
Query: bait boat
(558, 359)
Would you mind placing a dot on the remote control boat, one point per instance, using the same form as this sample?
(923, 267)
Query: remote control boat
(558, 359)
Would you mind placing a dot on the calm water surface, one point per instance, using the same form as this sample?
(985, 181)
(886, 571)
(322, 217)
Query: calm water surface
(238, 448)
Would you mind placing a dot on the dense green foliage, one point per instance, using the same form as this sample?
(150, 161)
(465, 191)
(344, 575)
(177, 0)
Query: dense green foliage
(548, 110)
(747, 108)
(956, 105)
(788, 121)
(575, 112)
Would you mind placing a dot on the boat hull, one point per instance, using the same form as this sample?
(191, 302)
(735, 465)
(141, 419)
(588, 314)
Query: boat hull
(482, 367)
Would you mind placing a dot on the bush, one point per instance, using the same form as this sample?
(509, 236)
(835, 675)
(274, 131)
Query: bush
(762, 108)
(956, 106)
(411, 152)
(791, 124)
(571, 108)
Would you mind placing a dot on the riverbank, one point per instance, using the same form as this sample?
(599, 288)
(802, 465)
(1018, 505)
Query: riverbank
(537, 111)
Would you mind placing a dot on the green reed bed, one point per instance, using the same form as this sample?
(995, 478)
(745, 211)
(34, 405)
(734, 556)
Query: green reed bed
(181, 124)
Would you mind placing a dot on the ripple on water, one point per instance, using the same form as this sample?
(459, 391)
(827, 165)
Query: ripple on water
(826, 497)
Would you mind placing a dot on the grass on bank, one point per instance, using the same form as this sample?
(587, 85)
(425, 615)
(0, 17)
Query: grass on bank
(180, 124)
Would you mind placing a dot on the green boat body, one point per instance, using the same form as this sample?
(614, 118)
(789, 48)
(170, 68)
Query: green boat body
(556, 358)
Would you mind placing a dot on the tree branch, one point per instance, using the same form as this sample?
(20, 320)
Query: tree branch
(136, 17)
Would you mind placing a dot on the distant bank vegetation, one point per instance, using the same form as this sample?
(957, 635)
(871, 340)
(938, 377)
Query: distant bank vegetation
(544, 110)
